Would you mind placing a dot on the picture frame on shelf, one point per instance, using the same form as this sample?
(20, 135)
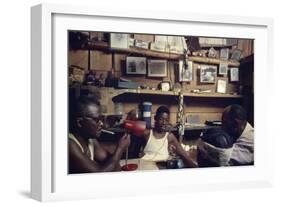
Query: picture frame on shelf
(50, 180)
(236, 55)
(135, 65)
(224, 53)
(157, 68)
(208, 73)
(221, 86)
(119, 40)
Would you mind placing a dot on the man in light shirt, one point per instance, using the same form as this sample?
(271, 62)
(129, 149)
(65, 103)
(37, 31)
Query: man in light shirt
(234, 122)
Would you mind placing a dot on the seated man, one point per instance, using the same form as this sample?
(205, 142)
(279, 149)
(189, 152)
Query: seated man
(85, 152)
(159, 139)
(234, 122)
(214, 148)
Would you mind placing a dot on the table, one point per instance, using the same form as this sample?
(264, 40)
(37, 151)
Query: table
(142, 164)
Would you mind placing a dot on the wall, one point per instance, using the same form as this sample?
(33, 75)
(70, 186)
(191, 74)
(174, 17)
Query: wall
(102, 62)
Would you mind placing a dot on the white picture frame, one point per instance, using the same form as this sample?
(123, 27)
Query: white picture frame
(157, 67)
(49, 179)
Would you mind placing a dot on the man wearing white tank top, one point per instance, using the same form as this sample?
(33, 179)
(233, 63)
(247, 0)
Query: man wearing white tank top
(159, 140)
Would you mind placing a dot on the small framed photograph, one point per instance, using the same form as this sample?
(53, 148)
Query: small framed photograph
(157, 68)
(212, 53)
(208, 73)
(119, 40)
(223, 67)
(234, 74)
(135, 65)
(224, 54)
(221, 86)
(236, 55)
(185, 71)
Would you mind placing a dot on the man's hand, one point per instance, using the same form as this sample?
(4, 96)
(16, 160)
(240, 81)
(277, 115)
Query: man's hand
(124, 141)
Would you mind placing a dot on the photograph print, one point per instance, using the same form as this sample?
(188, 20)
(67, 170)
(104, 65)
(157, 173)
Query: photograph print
(208, 73)
(135, 65)
(129, 107)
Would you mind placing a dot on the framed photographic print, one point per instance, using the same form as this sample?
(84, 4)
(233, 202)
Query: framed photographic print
(224, 54)
(156, 68)
(208, 73)
(234, 74)
(53, 174)
(221, 86)
(223, 68)
(135, 65)
(185, 71)
(119, 40)
(236, 54)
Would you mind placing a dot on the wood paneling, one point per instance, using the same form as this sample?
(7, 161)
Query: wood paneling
(100, 61)
(78, 58)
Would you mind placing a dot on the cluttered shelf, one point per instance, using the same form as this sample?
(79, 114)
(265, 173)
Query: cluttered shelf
(112, 92)
(117, 92)
(158, 54)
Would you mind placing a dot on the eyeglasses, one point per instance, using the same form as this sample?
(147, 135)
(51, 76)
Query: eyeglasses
(94, 119)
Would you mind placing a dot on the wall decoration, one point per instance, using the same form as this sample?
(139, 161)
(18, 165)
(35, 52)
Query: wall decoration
(185, 71)
(224, 54)
(157, 68)
(135, 65)
(234, 74)
(236, 54)
(221, 86)
(223, 68)
(119, 40)
(208, 73)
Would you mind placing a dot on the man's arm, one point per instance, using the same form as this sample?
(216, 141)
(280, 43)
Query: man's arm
(175, 146)
(83, 164)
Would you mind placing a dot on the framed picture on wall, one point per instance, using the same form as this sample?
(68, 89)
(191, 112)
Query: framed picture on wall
(223, 68)
(135, 65)
(156, 68)
(185, 71)
(208, 73)
(119, 40)
(234, 74)
(51, 178)
(224, 54)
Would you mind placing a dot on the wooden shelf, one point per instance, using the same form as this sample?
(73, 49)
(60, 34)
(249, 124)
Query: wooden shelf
(146, 52)
(213, 61)
(163, 55)
(116, 92)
